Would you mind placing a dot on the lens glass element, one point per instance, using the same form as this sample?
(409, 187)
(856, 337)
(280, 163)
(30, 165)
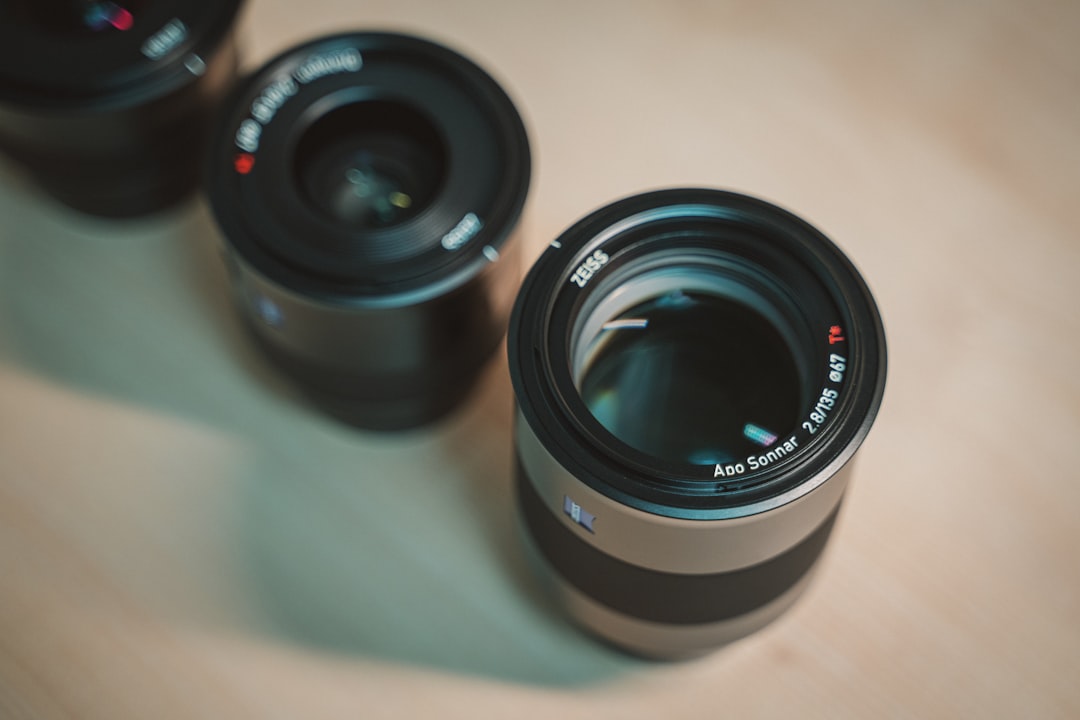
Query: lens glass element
(369, 165)
(690, 376)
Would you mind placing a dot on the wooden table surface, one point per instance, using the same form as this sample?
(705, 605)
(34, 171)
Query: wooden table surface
(181, 537)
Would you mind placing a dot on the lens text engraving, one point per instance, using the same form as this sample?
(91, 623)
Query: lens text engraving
(827, 400)
(165, 40)
(819, 414)
(589, 267)
(463, 232)
(266, 104)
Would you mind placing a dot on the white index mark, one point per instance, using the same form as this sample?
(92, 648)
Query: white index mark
(195, 65)
(629, 323)
(556, 244)
(491, 253)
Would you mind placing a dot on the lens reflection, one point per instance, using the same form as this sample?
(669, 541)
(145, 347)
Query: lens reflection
(692, 377)
(371, 164)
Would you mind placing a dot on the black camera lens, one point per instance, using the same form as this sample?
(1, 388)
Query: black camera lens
(694, 370)
(78, 17)
(108, 104)
(368, 187)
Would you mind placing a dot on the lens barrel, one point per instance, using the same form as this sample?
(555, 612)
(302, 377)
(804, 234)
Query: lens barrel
(108, 104)
(368, 187)
(694, 370)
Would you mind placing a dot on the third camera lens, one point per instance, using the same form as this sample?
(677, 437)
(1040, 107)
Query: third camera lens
(108, 104)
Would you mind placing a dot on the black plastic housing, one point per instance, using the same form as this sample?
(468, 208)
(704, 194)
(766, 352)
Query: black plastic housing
(111, 121)
(386, 327)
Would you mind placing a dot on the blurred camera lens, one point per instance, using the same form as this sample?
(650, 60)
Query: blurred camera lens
(107, 104)
(694, 370)
(368, 187)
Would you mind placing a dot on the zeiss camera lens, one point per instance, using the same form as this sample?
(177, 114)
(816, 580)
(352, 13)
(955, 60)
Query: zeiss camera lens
(368, 187)
(108, 104)
(694, 371)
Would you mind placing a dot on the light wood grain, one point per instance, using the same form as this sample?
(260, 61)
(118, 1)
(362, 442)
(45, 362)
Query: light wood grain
(180, 537)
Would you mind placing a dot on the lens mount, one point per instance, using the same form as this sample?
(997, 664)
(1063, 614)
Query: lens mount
(107, 103)
(693, 369)
(368, 186)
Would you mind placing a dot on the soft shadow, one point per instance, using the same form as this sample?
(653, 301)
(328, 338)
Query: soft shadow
(398, 546)
(135, 309)
(420, 566)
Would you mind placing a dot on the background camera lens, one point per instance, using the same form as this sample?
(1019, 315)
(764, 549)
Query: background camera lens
(368, 187)
(694, 370)
(108, 104)
(79, 17)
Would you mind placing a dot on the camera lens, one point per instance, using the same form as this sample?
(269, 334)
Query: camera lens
(107, 104)
(694, 370)
(368, 187)
(78, 17)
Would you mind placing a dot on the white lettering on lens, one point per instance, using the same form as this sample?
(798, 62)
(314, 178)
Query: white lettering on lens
(165, 40)
(837, 365)
(270, 100)
(825, 403)
(195, 65)
(729, 470)
(463, 232)
(247, 135)
(757, 462)
(589, 267)
(263, 109)
(317, 66)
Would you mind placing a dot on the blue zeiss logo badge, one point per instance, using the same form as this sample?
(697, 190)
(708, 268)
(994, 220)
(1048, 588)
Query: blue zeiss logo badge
(269, 311)
(578, 514)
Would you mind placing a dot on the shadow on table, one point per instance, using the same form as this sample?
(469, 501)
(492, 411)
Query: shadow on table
(397, 546)
(421, 567)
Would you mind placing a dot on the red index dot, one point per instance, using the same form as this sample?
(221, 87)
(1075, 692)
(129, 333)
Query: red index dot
(244, 163)
(122, 19)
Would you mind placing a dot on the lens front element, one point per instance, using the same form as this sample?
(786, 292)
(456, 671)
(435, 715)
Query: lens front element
(692, 377)
(371, 164)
